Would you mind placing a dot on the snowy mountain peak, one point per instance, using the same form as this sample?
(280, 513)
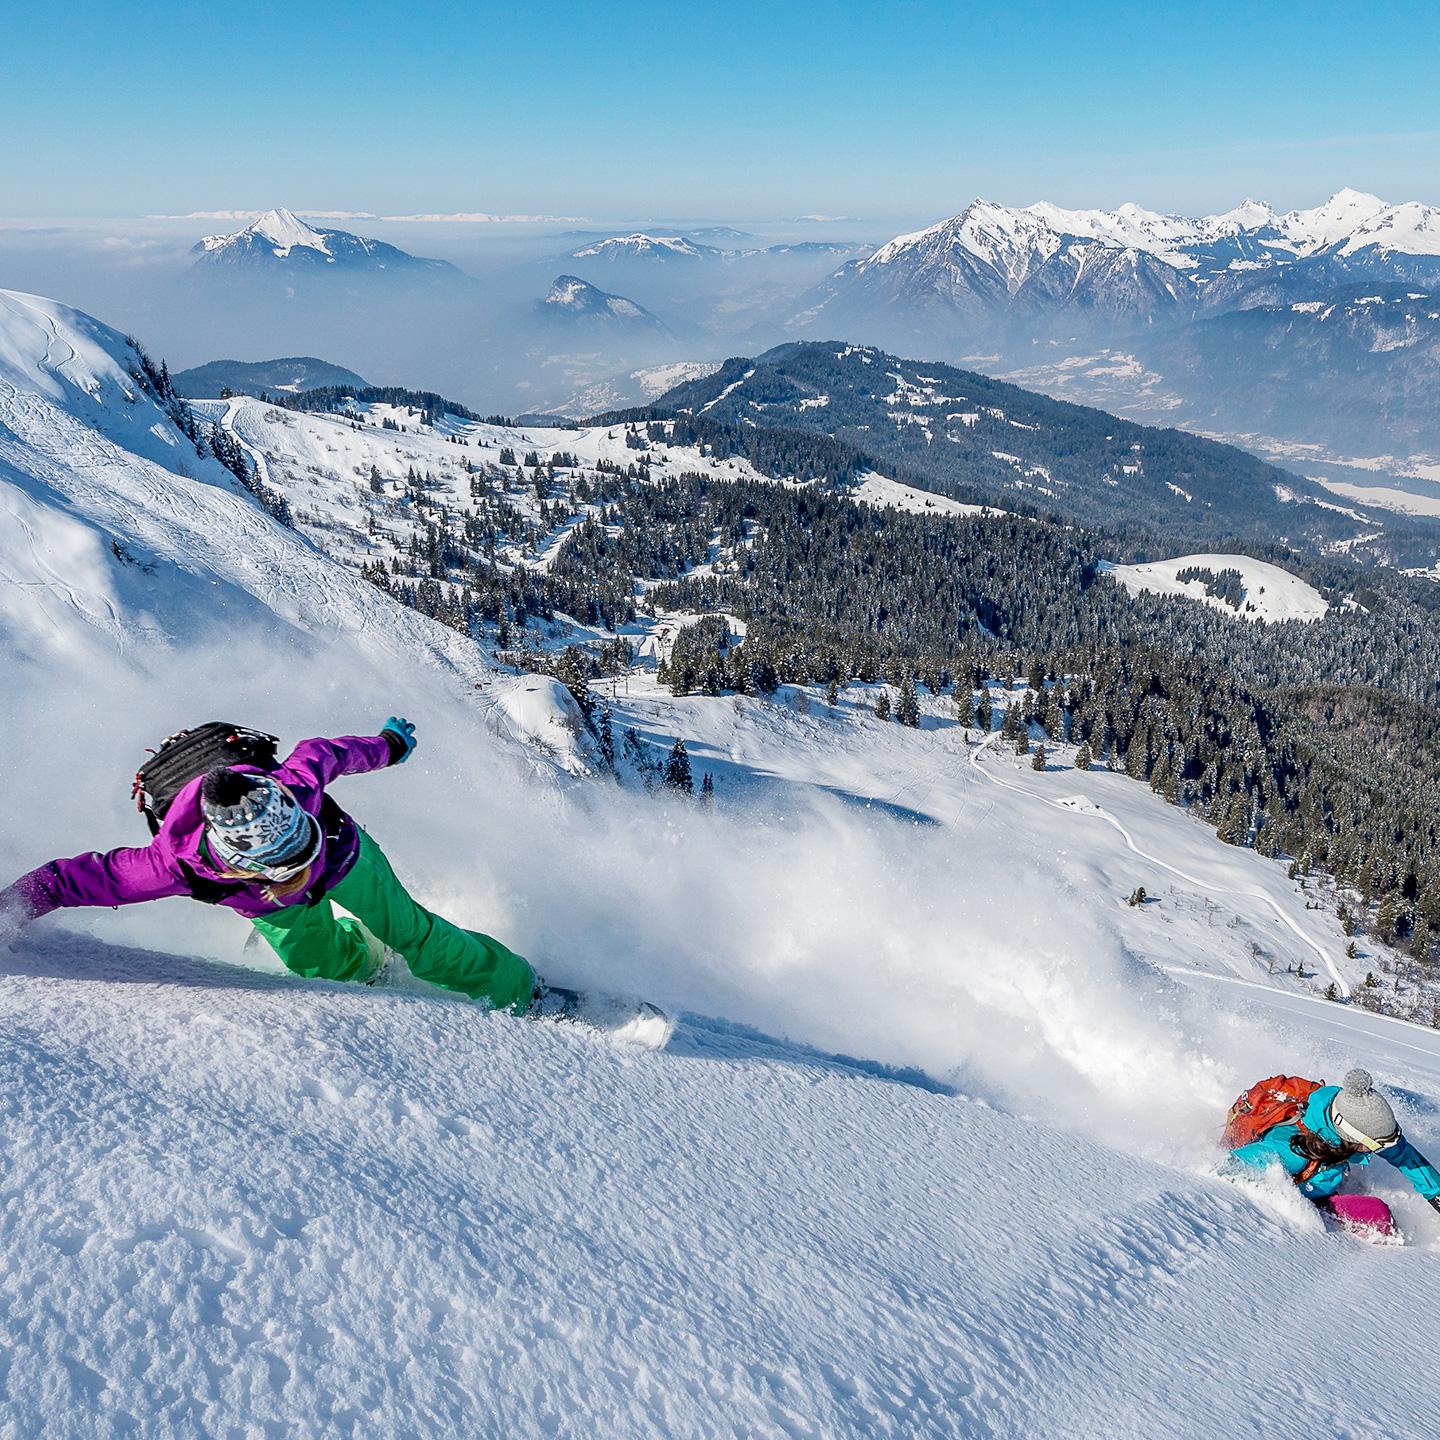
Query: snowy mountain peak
(282, 230)
(1335, 220)
(1007, 241)
(1246, 216)
(1412, 228)
(1354, 200)
(569, 290)
(280, 238)
(642, 246)
(286, 230)
(1352, 217)
(575, 300)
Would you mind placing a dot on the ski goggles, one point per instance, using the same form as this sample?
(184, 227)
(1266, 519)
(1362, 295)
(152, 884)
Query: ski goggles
(1360, 1141)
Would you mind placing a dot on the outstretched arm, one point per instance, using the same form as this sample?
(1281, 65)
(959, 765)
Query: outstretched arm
(1415, 1168)
(118, 877)
(319, 761)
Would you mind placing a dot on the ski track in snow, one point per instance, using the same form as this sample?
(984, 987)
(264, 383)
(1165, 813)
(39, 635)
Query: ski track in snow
(1098, 813)
(371, 1213)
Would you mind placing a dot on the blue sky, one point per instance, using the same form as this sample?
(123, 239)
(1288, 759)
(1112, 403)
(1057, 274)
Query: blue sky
(745, 110)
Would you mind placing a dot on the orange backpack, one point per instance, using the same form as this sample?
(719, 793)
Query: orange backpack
(1280, 1100)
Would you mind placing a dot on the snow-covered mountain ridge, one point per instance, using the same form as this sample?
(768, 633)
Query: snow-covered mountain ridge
(641, 246)
(1014, 278)
(1013, 240)
(983, 441)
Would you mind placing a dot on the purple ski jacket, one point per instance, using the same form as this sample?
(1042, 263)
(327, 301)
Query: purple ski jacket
(174, 863)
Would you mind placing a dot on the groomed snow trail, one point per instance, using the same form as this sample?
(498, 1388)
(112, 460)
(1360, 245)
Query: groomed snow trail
(1097, 812)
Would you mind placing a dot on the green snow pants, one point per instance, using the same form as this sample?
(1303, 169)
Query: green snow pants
(316, 943)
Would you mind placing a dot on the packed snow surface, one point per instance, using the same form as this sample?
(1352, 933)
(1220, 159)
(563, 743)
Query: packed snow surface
(1270, 594)
(932, 1151)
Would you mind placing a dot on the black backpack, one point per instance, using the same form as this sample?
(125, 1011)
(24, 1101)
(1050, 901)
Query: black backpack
(190, 753)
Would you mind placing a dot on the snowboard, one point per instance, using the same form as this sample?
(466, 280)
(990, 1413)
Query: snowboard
(618, 1017)
(1366, 1217)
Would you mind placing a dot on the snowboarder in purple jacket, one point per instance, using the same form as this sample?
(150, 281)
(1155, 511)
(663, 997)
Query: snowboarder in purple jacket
(275, 847)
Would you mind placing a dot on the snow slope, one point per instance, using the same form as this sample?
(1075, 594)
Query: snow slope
(242, 1204)
(881, 490)
(324, 464)
(384, 1215)
(1271, 594)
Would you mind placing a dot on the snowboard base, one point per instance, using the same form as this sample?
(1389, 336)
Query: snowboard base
(618, 1017)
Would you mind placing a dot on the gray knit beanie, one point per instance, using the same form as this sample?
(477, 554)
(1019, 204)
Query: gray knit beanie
(1362, 1113)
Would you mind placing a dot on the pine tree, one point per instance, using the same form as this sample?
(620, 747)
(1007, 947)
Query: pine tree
(707, 790)
(882, 704)
(1422, 941)
(607, 737)
(1038, 763)
(984, 714)
(1083, 757)
(907, 711)
(677, 770)
(965, 705)
(832, 694)
(1022, 743)
(1387, 919)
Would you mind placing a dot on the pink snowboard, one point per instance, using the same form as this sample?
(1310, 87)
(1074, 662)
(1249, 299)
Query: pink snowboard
(1364, 1215)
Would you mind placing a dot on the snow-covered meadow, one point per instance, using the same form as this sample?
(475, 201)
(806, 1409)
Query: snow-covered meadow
(1267, 594)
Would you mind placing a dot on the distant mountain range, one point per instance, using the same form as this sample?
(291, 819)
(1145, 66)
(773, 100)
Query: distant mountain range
(1039, 286)
(666, 249)
(576, 304)
(669, 248)
(279, 242)
(993, 266)
(294, 374)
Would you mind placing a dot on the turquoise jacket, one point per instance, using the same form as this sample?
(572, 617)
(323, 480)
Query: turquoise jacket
(1275, 1145)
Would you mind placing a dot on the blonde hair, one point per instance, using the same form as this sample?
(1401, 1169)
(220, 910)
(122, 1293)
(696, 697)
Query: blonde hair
(279, 892)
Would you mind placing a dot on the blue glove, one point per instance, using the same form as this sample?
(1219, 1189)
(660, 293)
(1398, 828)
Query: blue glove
(401, 736)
